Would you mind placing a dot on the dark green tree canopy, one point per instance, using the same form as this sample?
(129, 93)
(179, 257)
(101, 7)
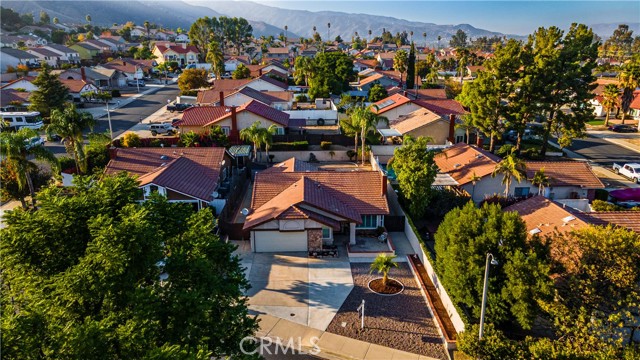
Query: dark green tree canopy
(521, 278)
(332, 72)
(51, 93)
(81, 278)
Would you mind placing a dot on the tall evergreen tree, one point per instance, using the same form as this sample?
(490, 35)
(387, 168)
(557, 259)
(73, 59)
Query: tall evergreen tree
(51, 93)
(411, 67)
(400, 63)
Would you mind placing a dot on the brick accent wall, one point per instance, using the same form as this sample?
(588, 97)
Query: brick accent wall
(314, 238)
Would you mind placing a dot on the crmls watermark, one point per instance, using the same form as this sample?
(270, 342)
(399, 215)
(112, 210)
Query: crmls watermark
(277, 346)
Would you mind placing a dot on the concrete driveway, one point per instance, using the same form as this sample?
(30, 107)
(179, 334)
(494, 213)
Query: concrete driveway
(294, 287)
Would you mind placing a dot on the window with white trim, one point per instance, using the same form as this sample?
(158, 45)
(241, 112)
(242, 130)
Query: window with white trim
(226, 130)
(279, 131)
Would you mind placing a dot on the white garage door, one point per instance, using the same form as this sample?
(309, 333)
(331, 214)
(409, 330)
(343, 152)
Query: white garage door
(275, 241)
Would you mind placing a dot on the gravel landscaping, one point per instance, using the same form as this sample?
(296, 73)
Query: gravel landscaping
(402, 321)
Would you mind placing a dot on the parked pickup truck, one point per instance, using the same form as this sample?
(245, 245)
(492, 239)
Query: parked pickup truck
(179, 107)
(632, 171)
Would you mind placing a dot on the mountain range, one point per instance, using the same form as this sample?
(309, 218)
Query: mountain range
(265, 20)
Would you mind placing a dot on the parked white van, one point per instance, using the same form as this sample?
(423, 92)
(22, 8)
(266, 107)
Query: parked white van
(19, 120)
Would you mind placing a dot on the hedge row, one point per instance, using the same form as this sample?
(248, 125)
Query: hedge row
(288, 146)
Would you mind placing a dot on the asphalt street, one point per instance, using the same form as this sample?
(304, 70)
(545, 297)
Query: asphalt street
(125, 117)
(603, 152)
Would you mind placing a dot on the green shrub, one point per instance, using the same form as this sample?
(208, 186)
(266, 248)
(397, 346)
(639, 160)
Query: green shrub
(155, 143)
(66, 162)
(302, 98)
(351, 154)
(290, 146)
(325, 145)
(131, 140)
(599, 205)
(505, 150)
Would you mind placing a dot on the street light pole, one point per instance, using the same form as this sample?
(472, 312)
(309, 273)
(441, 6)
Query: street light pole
(137, 80)
(484, 291)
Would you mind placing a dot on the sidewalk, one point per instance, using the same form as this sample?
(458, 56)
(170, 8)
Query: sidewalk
(630, 141)
(331, 346)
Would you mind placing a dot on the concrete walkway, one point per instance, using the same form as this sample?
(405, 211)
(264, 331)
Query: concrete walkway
(329, 345)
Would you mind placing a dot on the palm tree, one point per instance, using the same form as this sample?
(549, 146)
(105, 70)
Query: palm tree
(609, 100)
(303, 69)
(400, 63)
(254, 134)
(424, 34)
(88, 18)
(285, 35)
(216, 59)
(267, 137)
(628, 83)
(369, 39)
(15, 149)
(382, 265)
(411, 36)
(439, 38)
(147, 27)
(349, 127)
(366, 120)
(70, 124)
(541, 180)
(474, 180)
(328, 31)
(511, 167)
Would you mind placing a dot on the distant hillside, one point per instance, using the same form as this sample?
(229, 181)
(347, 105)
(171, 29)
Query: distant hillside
(343, 24)
(172, 14)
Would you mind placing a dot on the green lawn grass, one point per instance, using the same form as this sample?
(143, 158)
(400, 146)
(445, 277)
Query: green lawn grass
(595, 122)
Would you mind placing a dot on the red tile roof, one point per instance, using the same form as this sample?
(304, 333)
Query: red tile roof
(347, 195)
(266, 112)
(389, 103)
(74, 86)
(177, 48)
(212, 95)
(461, 161)
(203, 115)
(549, 216)
(442, 107)
(566, 173)
(209, 115)
(370, 79)
(635, 104)
(9, 95)
(192, 171)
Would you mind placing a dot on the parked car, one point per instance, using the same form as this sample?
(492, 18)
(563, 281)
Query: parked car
(179, 107)
(136, 83)
(34, 141)
(164, 129)
(623, 128)
(630, 170)
(226, 75)
(54, 137)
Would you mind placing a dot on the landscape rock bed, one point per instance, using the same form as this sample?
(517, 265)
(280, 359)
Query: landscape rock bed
(402, 321)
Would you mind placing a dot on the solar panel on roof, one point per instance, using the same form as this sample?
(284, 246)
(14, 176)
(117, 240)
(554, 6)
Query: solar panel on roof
(385, 104)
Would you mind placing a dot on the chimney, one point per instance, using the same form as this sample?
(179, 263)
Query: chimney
(84, 76)
(404, 93)
(113, 152)
(221, 98)
(384, 185)
(124, 63)
(234, 134)
(259, 72)
(479, 141)
(452, 128)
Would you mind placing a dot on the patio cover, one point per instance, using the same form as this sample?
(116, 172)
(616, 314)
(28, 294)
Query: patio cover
(389, 132)
(240, 150)
(444, 180)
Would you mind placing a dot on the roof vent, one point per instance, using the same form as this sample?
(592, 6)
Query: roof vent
(568, 218)
(479, 156)
(535, 231)
(163, 164)
(164, 157)
(457, 166)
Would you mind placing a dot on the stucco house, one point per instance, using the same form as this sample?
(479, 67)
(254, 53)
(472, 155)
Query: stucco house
(182, 53)
(424, 122)
(296, 207)
(25, 83)
(14, 57)
(188, 175)
(568, 179)
(67, 55)
(232, 119)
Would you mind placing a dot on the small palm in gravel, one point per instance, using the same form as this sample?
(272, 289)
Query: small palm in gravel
(382, 265)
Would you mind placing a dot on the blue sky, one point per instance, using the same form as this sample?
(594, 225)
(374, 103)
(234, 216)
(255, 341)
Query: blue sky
(514, 17)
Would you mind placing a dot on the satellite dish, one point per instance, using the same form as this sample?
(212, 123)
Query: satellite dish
(244, 211)
(215, 194)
